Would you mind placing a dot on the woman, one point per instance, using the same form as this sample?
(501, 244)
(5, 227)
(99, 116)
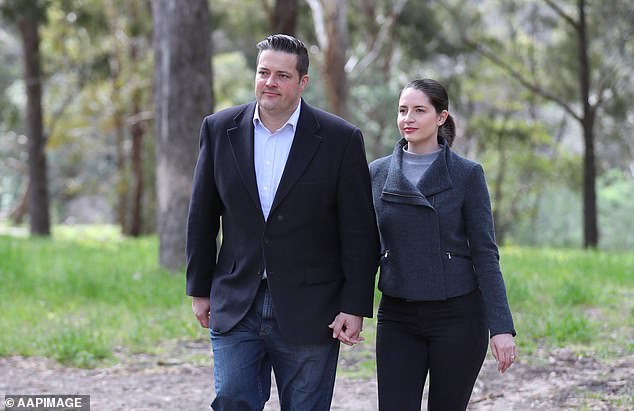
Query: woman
(443, 291)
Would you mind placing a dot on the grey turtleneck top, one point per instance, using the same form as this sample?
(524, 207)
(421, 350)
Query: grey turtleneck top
(415, 165)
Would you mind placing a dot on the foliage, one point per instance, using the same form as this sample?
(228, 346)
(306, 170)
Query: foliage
(12, 141)
(92, 79)
(558, 213)
(233, 80)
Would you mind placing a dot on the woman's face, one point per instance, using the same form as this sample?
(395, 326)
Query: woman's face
(418, 121)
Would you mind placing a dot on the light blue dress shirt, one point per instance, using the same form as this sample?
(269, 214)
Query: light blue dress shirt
(271, 151)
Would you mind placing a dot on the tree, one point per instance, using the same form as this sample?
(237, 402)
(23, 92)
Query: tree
(331, 28)
(28, 16)
(129, 95)
(597, 80)
(283, 16)
(182, 93)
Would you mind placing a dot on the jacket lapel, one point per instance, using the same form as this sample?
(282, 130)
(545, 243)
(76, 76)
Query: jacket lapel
(397, 189)
(241, 141)
(437, 178)
(303, 149)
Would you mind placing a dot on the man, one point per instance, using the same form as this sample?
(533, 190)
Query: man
(295, 272)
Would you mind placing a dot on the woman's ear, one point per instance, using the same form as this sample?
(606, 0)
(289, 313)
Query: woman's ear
(442, 117)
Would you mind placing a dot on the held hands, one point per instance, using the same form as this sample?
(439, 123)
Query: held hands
(200, 307)
(504, 351)
(346, 328)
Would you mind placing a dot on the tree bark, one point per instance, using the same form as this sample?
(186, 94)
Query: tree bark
(284, 17)
(590, 226)
(335, 56)
(331, 27)
(17, 214)
(137, 131)
(182, 96)
(39, 217)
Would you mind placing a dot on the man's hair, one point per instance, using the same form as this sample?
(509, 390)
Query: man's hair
(287, 44)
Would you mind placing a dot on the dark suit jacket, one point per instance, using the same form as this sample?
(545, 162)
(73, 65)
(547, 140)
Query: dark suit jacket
(319, 243)
(438, 238)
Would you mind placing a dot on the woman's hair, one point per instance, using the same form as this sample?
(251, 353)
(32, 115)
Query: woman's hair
(438, 98)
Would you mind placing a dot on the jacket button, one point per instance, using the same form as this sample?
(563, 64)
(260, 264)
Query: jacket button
(266, 240)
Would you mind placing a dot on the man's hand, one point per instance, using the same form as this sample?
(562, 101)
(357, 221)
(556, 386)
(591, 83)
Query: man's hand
(200, 307)
(346, 328)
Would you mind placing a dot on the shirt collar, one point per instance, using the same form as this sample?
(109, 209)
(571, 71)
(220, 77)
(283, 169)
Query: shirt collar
(292, 120)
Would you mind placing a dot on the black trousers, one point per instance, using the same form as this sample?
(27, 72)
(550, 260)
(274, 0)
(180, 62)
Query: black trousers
(447, 339)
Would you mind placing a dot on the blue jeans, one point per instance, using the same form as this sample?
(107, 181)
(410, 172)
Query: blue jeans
(245, 355)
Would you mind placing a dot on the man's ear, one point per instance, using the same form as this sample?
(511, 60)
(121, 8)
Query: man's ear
(303, 82)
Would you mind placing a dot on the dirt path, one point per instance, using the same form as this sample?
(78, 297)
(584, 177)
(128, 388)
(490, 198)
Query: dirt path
(170, 381)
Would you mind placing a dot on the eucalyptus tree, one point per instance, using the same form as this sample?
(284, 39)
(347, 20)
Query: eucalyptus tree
(182, 96)
(28, 16)
(564, 53)
(282, 15)
(331, 30)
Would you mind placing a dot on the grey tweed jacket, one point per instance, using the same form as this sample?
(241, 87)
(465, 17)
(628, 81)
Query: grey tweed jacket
(437, 238)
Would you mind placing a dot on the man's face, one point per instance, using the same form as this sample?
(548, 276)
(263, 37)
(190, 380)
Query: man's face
(278, 85)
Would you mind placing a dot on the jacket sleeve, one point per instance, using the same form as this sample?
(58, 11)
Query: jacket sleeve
(484, 252)
(357, 230)
(203, 221)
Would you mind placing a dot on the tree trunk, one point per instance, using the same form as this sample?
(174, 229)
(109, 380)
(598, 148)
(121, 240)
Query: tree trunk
(137, 131)
(17, 214)
(122, 181)
(590, 226)
(183, 95)
(284, 17)
(38, 193)
(331, 28)
(335, 55)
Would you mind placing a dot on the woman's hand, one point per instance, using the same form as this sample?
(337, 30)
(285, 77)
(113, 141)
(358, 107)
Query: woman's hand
(504, 351)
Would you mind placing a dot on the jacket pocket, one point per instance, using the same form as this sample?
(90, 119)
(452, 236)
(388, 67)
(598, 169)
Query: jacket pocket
(451, 256)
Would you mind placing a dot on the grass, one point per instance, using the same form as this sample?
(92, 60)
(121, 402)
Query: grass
(77, 297)
(575, 298)
(88, 292)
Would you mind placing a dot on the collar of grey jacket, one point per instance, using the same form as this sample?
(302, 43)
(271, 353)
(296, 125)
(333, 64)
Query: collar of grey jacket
(398, 189)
